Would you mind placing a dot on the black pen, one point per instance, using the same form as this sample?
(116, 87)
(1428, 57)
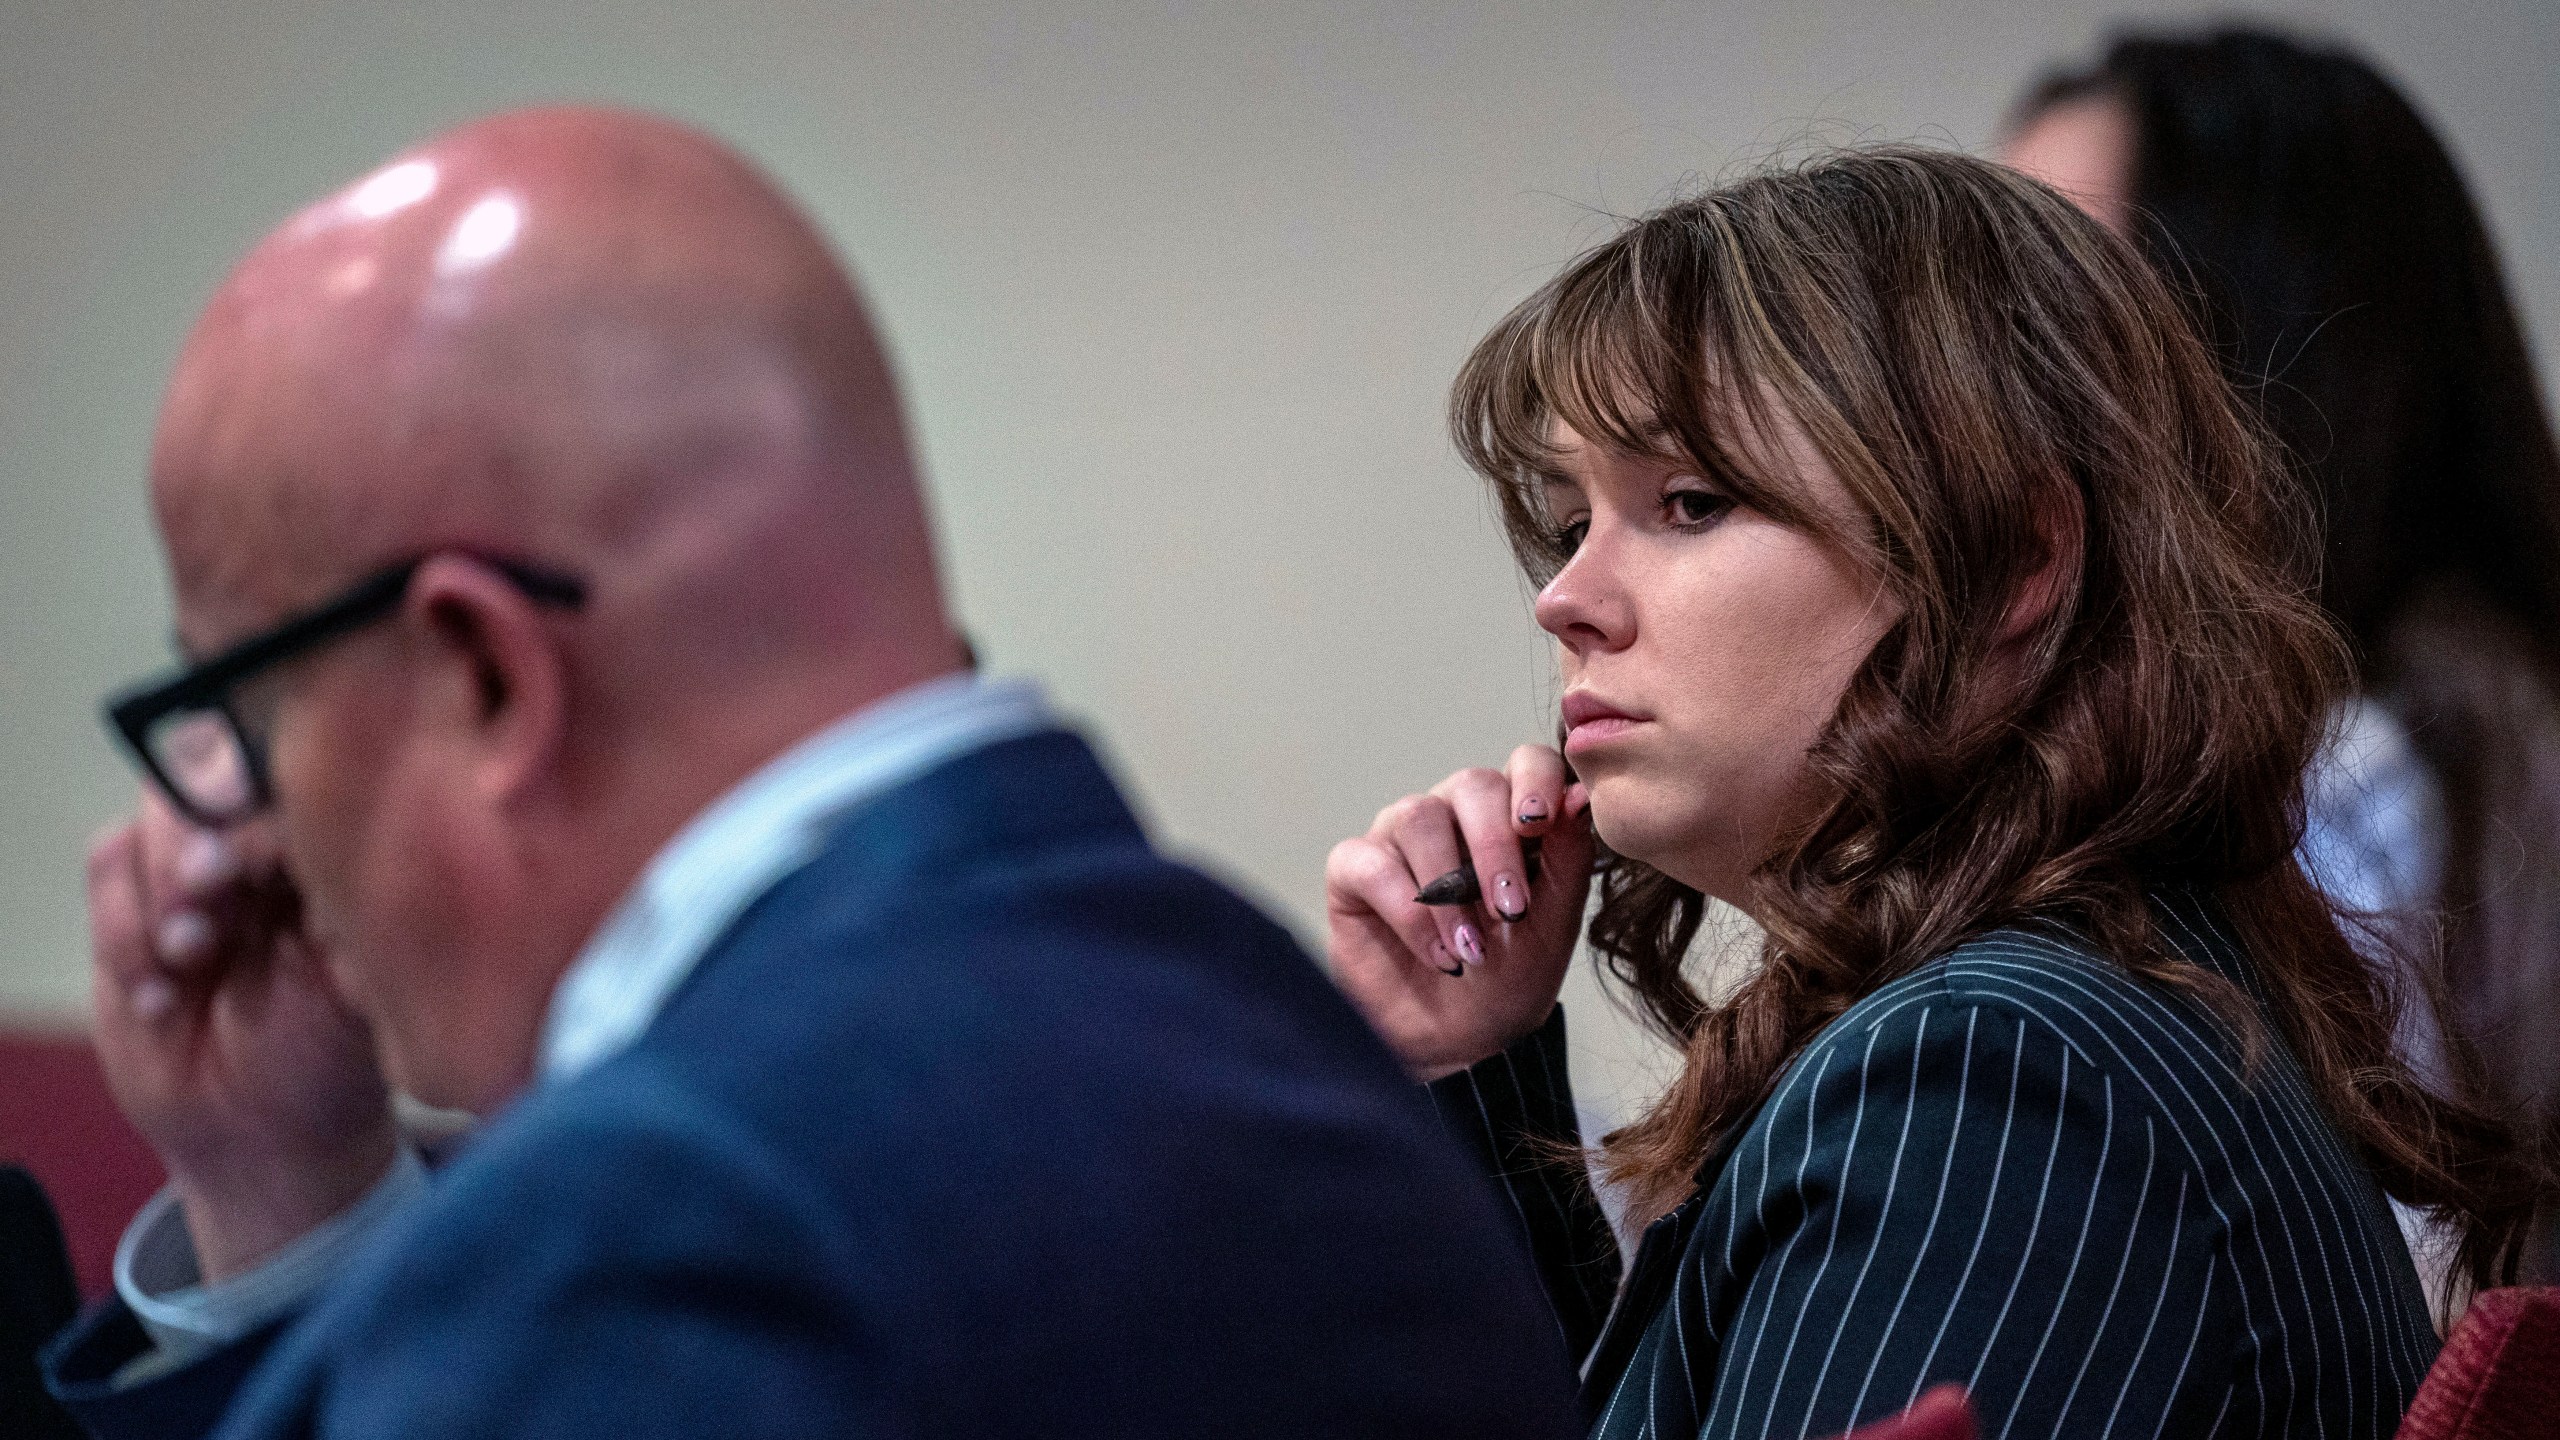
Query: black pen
(1460, 887)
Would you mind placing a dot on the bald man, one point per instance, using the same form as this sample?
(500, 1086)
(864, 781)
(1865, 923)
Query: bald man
(576, 736)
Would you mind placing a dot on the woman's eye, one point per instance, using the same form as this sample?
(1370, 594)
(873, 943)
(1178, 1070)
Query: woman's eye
(1695, 507)
(1568, 537)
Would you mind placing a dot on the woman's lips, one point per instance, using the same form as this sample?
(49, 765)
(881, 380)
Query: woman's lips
(1590, 722)
(1583, 737)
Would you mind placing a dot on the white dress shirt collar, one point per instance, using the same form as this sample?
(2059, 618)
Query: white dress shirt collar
(744, 843)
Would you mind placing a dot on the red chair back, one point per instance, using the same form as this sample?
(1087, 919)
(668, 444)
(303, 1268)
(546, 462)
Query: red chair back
(2499, 1375)
(57, 1119)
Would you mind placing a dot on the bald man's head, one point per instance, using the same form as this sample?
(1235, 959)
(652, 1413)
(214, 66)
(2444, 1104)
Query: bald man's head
(561, 326)
(586, 341)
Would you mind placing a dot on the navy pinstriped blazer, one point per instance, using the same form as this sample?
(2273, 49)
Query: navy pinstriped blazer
(2019, 1168)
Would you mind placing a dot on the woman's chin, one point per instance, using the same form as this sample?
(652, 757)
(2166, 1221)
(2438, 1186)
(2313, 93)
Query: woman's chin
(1660, 841)
(1633, 832)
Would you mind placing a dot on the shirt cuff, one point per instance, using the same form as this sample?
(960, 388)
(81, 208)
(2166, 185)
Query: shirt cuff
(158, 1279)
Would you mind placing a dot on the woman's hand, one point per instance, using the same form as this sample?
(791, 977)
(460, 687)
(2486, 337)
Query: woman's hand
(1449, 985)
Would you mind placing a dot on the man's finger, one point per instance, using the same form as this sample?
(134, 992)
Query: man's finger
(192, 888)
(118, 943)
(206, 863)
(185, 941)
(129, 980)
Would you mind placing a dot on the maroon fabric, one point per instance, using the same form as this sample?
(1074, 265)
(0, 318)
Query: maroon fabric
(1942, 1414)
(2499, 1375)
(57, 1119)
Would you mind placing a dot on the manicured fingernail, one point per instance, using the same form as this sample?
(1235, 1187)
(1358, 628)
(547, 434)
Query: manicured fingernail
(1509, 900)
(153, 999)
(206, 862)
(1532, 811)
(184, 936)
(1470, 949)
(1446, 962)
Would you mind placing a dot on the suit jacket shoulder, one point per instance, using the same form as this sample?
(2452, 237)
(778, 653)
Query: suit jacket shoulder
(989, 1121)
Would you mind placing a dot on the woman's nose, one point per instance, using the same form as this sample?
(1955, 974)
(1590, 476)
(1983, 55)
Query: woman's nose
(1584, 607)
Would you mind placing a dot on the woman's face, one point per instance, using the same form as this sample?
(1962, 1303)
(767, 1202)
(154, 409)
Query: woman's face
(1705, 647)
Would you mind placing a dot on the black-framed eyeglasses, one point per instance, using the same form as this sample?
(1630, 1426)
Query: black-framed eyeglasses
(186, 730)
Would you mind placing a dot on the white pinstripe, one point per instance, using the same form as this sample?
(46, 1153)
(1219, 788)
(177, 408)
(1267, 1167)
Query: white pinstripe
(2107, 1094)
(1831, 1242)
(1979, 958)
(2283, 1139)
(1999, 1163)
(2246, 1154)
(1680, 1336)
(2183, 1036)
(1964, 1081)
(2115, 1290)
(2177, 1224)
(1892, 1186)
(2035, 1225)
(2266, 1264)
(1769, 1291)
(2204, 1312)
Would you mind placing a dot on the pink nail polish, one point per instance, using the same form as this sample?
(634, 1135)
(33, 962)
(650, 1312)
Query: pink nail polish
(1470, 949)
(1509, 901)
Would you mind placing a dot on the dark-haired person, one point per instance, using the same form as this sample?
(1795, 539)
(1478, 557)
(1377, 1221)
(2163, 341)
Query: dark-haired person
(1922, 589)
(2349, 284)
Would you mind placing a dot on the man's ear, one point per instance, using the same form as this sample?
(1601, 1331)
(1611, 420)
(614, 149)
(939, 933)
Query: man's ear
(2054, 573)
(505, 683)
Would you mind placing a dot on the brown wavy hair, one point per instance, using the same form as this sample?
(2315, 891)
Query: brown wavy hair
(2001, 386)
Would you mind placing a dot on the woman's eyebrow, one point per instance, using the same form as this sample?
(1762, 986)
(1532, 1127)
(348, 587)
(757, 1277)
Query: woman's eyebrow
(1656, 439)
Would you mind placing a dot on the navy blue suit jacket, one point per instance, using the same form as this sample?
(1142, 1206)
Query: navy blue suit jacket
(989, 1122)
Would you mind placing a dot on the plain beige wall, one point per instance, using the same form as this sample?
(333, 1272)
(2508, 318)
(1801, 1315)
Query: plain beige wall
(1177, 290)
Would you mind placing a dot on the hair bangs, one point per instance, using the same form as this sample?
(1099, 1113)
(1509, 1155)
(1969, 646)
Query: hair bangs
(1585, 353)
(1637, 347)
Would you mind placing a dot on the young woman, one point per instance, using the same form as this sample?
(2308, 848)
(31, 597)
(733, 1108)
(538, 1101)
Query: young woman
(2347, 279)
(1922, 590)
